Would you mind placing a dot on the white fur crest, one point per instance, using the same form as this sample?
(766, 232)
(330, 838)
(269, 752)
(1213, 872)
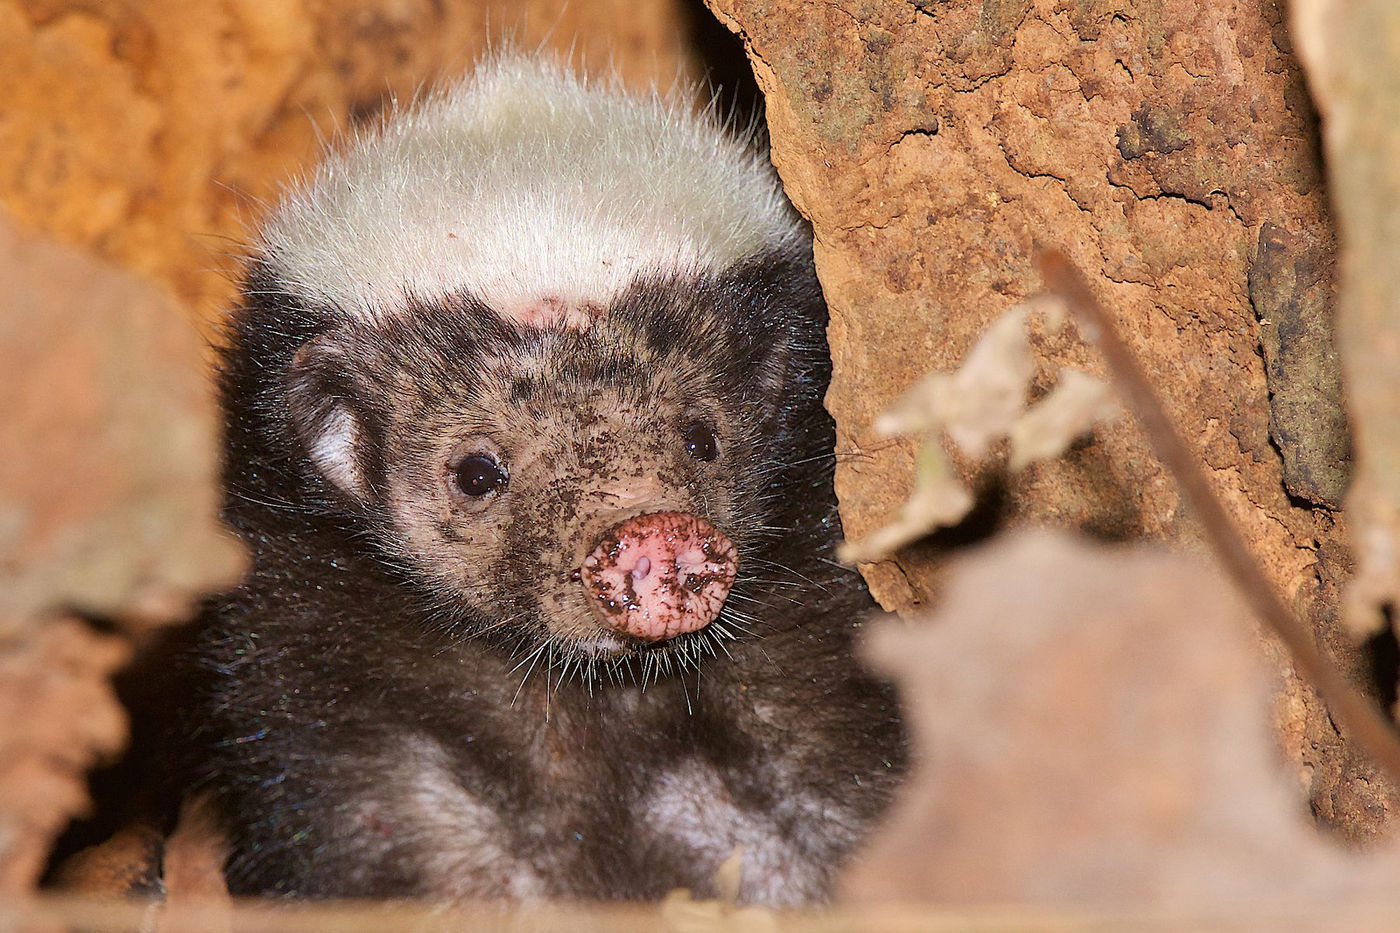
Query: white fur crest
(532, 190)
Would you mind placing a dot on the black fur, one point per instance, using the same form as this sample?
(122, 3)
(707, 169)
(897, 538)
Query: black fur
(338, 660)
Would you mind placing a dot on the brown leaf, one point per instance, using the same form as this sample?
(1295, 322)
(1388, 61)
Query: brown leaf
(1092, 725)
(58, 717)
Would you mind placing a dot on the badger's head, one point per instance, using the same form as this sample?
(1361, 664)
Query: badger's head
(559, 329)
(598, 489)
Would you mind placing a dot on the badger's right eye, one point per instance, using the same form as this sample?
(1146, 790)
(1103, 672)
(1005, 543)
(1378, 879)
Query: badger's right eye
(480, 475)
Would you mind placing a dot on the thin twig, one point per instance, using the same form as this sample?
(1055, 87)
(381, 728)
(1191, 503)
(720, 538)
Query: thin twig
(1356, 715)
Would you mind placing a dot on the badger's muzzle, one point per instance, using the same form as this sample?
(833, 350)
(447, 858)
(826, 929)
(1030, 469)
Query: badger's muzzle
(659, 575)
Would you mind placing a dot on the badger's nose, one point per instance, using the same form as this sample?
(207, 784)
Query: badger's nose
(659, 575)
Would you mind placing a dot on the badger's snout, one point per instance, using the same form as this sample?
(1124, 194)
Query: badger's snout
(659, 575)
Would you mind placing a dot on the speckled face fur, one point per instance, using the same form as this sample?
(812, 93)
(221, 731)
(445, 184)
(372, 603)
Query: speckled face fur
(580, 429)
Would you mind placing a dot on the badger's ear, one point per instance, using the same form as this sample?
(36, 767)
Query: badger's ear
(329, 411)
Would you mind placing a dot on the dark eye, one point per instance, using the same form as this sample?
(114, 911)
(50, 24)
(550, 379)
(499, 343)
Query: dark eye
(480, 475)
(700, 441)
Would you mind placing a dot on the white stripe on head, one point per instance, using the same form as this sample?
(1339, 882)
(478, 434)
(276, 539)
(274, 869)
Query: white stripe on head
(530, 189)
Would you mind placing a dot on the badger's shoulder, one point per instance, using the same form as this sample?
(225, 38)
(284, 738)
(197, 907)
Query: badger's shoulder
(524, 184)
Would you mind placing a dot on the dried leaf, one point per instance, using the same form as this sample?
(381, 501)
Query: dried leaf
(1050, 426)
(111, 505)
(939, 500)
(984, 400)
(1093, 728)
(981, 400)
(727, 876)
(58, 717)
(683, 913)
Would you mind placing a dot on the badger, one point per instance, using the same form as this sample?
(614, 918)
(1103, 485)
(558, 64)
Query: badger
(525, 436)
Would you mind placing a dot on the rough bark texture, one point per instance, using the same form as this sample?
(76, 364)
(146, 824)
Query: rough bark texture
(1290, 285)
(936, 143)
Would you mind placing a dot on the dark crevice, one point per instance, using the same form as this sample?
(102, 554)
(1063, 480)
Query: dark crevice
(1382, 651)
(928, 130)
(987, 518)
(132, 791)
(726, 67)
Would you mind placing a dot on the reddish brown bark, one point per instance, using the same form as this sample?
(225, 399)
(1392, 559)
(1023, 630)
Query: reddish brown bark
(1169, 149)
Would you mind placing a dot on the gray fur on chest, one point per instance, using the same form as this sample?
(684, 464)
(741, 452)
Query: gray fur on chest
(464, 847)
(691, 807)
(420, 814)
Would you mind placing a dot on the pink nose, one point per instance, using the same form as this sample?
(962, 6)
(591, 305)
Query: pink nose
(659, 575)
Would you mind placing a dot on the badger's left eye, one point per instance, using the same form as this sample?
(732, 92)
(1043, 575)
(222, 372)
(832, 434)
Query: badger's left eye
(700, 441)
